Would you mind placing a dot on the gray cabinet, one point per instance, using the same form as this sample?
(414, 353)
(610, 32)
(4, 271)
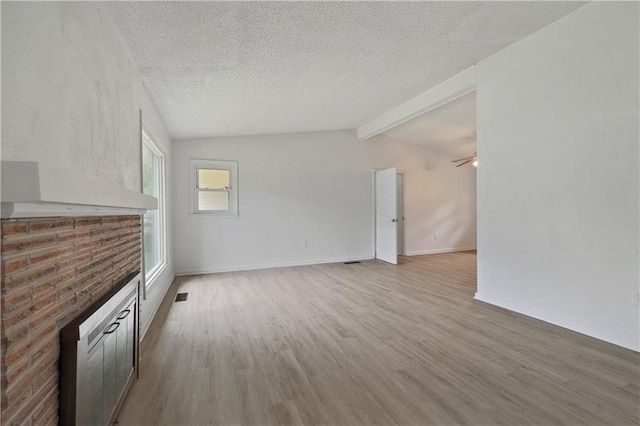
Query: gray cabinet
(124, 346)
(105, 352)
(110, 365)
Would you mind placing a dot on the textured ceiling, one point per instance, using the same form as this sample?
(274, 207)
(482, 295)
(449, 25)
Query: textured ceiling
(449, 129)
(237, 68)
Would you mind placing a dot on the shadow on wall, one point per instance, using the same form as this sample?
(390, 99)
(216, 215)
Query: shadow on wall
(456, 220)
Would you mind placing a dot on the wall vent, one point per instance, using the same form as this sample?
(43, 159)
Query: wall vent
(181, 297)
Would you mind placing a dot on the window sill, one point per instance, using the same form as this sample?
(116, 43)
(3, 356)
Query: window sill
(212, 215)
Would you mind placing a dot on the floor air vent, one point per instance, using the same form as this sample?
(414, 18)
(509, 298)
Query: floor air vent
(181, 297)
(352, 262)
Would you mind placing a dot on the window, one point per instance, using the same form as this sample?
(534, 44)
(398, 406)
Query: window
(214, 187)
(154, 231)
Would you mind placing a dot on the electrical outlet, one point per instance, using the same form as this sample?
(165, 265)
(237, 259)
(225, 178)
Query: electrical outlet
(435, 236)
(304, 244)
(635, 299)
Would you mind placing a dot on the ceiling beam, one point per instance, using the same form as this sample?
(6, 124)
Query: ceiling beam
(458, 85)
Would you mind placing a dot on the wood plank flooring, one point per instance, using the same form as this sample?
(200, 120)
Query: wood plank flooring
(370, 344)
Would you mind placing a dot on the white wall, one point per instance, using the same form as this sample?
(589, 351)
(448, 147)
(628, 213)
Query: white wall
(71, 98)
(439, 198)
(69, 94)
(292, 188)
(558, 178)
(313, 187)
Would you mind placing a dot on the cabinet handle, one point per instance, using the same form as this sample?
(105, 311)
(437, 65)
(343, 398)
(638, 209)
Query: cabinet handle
(110, 330)
(123, 314)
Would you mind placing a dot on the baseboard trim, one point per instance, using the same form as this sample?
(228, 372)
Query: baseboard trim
(443, 250)
(268, 266)
(576, 326)
(147, 325)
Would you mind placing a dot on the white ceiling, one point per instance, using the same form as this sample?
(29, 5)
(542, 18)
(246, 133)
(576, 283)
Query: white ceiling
(237, 68)
(449, 129)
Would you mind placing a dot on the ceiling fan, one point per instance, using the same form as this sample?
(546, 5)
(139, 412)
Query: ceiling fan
(473, 160)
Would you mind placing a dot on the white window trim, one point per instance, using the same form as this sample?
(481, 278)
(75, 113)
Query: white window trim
(232, 166)
(154, 144)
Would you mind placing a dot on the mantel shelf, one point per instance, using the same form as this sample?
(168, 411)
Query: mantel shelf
(33, 189)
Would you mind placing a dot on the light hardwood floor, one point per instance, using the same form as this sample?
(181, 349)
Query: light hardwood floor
(370, 343)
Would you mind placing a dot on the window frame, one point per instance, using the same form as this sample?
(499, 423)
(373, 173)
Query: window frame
(194, 190)
(154, 144)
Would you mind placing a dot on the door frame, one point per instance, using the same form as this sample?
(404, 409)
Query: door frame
(402, 249)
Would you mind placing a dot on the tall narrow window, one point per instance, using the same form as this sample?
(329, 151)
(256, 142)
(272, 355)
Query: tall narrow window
(215, 187)
(153, 182)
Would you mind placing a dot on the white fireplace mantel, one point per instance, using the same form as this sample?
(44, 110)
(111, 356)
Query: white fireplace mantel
(33, 189)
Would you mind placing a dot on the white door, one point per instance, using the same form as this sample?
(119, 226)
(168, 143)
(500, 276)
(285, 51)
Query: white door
(386, 215)
(400, 215)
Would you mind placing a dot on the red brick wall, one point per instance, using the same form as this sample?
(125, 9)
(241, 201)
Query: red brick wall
(52, 269)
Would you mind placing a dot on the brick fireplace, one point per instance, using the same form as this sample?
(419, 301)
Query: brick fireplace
(53, 269)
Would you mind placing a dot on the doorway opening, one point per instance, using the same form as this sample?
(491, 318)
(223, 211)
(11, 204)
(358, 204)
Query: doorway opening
(436, 198)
